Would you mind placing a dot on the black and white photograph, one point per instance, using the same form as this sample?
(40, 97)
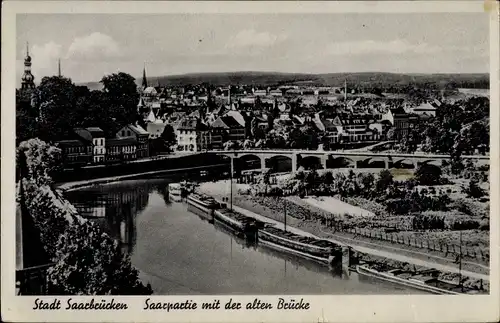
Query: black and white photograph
(247, 154)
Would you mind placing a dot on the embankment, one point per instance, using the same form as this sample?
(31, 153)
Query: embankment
(133, 169)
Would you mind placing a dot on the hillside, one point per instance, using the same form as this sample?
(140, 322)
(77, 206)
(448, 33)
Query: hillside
(379, 79)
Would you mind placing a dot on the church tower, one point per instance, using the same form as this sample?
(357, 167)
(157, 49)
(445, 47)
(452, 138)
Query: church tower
(28, 80)
(144, 79)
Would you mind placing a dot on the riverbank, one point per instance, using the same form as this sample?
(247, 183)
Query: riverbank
(142, 167)
(68, 186)
(275, 210)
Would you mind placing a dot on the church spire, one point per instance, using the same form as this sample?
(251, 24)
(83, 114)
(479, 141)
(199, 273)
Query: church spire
(144, 79)
(28, 80)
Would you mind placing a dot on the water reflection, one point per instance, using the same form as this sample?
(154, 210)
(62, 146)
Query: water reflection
(179, 252)
(114, 210)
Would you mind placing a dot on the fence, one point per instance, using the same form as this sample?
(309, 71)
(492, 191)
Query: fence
(396, 238)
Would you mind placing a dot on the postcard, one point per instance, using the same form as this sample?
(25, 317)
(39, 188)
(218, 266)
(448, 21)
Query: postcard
(250, 161)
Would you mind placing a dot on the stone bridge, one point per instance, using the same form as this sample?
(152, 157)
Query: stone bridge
(351, 157)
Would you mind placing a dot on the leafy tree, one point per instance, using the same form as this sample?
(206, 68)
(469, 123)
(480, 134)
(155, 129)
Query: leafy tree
(427, 174)
(105, 272)
(385, 179)
(26, 117)
(168, 136)
(473, 189)
(40, 159)
(391, 134)
(57, 100)
(122, 97)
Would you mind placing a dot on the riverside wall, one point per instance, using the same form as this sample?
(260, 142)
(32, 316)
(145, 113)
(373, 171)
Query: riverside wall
(138, 167)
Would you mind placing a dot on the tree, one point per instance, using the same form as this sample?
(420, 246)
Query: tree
(89, 262)
(391, 134)
(40, 159)
(57, 101)
(428, 174)
(168, 136)
(122, 97)
(385, 179)
(473, 189)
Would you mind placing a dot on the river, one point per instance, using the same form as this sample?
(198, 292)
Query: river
(179, 253)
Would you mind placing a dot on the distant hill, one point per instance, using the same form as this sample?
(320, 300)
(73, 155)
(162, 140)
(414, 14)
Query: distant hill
(380, 79)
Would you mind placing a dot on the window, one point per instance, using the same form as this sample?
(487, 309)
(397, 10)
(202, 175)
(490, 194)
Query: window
(128, 132)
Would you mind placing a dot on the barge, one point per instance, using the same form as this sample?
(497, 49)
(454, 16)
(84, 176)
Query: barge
(239, 224)
(322, 251)
(203, 205)
(175, 192)
(426, 281)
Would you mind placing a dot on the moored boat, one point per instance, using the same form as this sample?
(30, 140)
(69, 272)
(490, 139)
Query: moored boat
(203, 205)
(323, 251)
(239, 224)
(424, 281)
(175, 192)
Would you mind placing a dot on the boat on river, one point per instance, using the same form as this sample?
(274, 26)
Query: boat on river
(175, 192)
(426, 281)
(203, 205)
(322, 251)
(239, 224)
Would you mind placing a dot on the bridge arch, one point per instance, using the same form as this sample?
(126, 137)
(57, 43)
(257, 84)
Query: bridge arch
(249, 161)
(340, 162)
(405, 163)
(374, 162)
(435, 162)
(279, 163)
(310, 162)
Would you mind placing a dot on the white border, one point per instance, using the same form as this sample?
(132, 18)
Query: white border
(323, 308)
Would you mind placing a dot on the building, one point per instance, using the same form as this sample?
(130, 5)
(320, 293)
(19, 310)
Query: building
(27, 80)
(141, 135)
(155, 129)
(95, 136)
(121, 149)
(400, 120)
(425, 110)
(193, 135)
(75, 152)
(229, 129)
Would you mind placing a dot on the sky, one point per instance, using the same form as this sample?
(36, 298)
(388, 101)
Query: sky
(93, 45)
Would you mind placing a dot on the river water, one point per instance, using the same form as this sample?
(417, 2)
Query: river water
(179, 253)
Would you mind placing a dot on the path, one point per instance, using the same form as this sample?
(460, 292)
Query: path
(367, 250)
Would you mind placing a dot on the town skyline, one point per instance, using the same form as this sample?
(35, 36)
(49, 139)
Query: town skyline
(90, 46)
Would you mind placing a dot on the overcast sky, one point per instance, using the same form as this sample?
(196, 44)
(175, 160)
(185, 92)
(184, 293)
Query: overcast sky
(91, 46)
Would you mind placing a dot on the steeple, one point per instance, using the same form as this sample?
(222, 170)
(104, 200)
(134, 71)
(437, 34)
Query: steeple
(144, 80)
(28, 80)
(345, 90)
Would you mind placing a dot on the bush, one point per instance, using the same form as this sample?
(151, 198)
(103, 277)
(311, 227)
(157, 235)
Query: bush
(428, 222)
(465, 224)
(473, 190)
(427, 174)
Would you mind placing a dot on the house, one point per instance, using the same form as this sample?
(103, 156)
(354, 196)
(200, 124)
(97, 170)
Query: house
(400, 120)
(122, 149)
(192, 135)
(99, 143)
(75, 152)
(141, 135)
(426, 110)
(229, 128)
(155, 129)
(237, 116)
